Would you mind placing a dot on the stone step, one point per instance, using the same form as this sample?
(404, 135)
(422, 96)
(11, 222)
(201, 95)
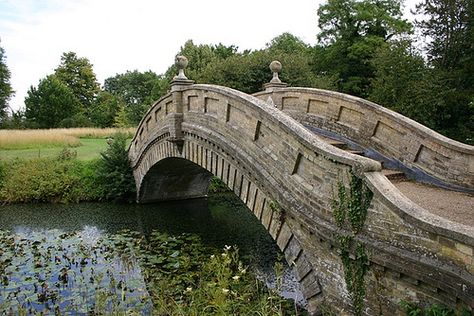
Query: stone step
(355, 152)
(332, 142)
(393, 174)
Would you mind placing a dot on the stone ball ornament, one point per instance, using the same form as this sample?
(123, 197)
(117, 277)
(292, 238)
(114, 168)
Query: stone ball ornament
(181, 63)
(275, 67)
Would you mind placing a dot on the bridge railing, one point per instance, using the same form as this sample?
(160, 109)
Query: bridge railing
(378, 128)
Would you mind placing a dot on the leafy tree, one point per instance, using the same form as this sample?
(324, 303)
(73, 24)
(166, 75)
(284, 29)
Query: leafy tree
(287, 43)
(16, 120)
(248, 71)
(77, 74)
(404, 83)
(105, 108)
(199, 57)
(351, 32)
(50, 103)
(449, 27)
(6, 91)
(138, 90)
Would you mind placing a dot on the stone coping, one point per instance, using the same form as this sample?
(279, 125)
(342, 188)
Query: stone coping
(399, 118)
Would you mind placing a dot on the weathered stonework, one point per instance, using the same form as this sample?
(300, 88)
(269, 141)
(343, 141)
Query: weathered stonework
(377, 128)
(266, 157)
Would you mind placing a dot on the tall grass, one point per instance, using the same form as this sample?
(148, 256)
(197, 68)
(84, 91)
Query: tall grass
(61, 137)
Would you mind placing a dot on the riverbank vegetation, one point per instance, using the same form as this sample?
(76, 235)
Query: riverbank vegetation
(128, 273)
(65, 178)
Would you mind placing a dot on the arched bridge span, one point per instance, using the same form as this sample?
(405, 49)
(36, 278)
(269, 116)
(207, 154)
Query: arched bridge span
(288, 178)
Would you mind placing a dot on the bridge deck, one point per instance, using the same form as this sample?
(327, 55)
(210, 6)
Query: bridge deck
(452, 205)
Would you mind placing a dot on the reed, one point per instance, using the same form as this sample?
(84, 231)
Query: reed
(61, 137)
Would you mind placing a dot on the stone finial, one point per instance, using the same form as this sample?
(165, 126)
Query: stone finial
(275, 83)
(275, 67)
(181, 62)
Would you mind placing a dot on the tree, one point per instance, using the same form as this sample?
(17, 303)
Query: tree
(77, 74)
(403, 83)
(6, 91)
(104, 109)
(48, 105)
(287, 43)
(449, 26)
(351, 32)
(138, 90)
(247, 71)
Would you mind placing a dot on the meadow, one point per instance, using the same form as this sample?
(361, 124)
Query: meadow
(88, 143)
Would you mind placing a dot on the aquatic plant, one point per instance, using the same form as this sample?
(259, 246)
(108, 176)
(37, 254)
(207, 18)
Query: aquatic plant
(125, 273)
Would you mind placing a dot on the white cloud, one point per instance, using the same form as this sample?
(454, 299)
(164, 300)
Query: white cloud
(120, 35)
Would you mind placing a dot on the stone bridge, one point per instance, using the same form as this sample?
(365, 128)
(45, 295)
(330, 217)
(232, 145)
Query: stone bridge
(356, 242)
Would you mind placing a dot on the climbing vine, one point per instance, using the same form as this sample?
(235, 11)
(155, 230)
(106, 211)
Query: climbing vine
(351, 206)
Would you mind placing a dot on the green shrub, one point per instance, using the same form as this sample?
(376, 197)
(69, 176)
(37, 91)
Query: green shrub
(115, 171)
(217, 186)
(431, 310)
(40, 180)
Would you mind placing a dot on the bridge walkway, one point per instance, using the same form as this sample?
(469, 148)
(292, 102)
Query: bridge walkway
(452, 205)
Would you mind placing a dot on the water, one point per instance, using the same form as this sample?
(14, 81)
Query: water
(69, 246)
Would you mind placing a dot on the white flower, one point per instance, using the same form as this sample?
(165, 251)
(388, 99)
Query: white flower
(236, 277)
(225, 291)
(212, 256)
(189, 289)
(227, 248)
(224, 255)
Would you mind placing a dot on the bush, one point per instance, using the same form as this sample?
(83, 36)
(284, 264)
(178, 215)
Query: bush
(48, 180)
(115, 171)
(432, 310)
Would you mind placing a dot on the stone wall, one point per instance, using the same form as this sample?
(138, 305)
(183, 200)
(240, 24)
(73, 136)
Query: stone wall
(288, 177)
(382, 130)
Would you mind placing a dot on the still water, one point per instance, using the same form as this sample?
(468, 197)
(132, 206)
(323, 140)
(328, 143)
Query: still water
(73, 249)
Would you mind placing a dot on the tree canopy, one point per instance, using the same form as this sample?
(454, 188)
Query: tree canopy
(77, 73)
(365, 48)
(6, 91)
(50, 104)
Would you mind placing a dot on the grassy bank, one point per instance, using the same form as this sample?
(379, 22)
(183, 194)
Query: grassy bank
(65, 178)
(28, 144)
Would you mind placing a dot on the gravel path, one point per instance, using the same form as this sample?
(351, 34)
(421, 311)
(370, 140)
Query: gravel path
(452, 205)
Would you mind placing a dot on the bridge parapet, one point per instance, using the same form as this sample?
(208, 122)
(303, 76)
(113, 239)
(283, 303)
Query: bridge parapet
(375, 127)
(289, 178)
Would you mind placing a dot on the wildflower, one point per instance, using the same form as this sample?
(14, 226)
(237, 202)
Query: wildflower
(224, 255)
(236, 277)
(227, 248)
(212, 256)
(225, 291)
(189, 289)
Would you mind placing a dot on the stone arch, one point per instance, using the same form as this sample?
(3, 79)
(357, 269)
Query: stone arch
(193, 166)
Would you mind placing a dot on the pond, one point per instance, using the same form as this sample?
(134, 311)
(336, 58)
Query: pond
(95, 256)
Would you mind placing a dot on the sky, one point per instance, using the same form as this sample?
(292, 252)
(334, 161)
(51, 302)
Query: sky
(121, 35)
